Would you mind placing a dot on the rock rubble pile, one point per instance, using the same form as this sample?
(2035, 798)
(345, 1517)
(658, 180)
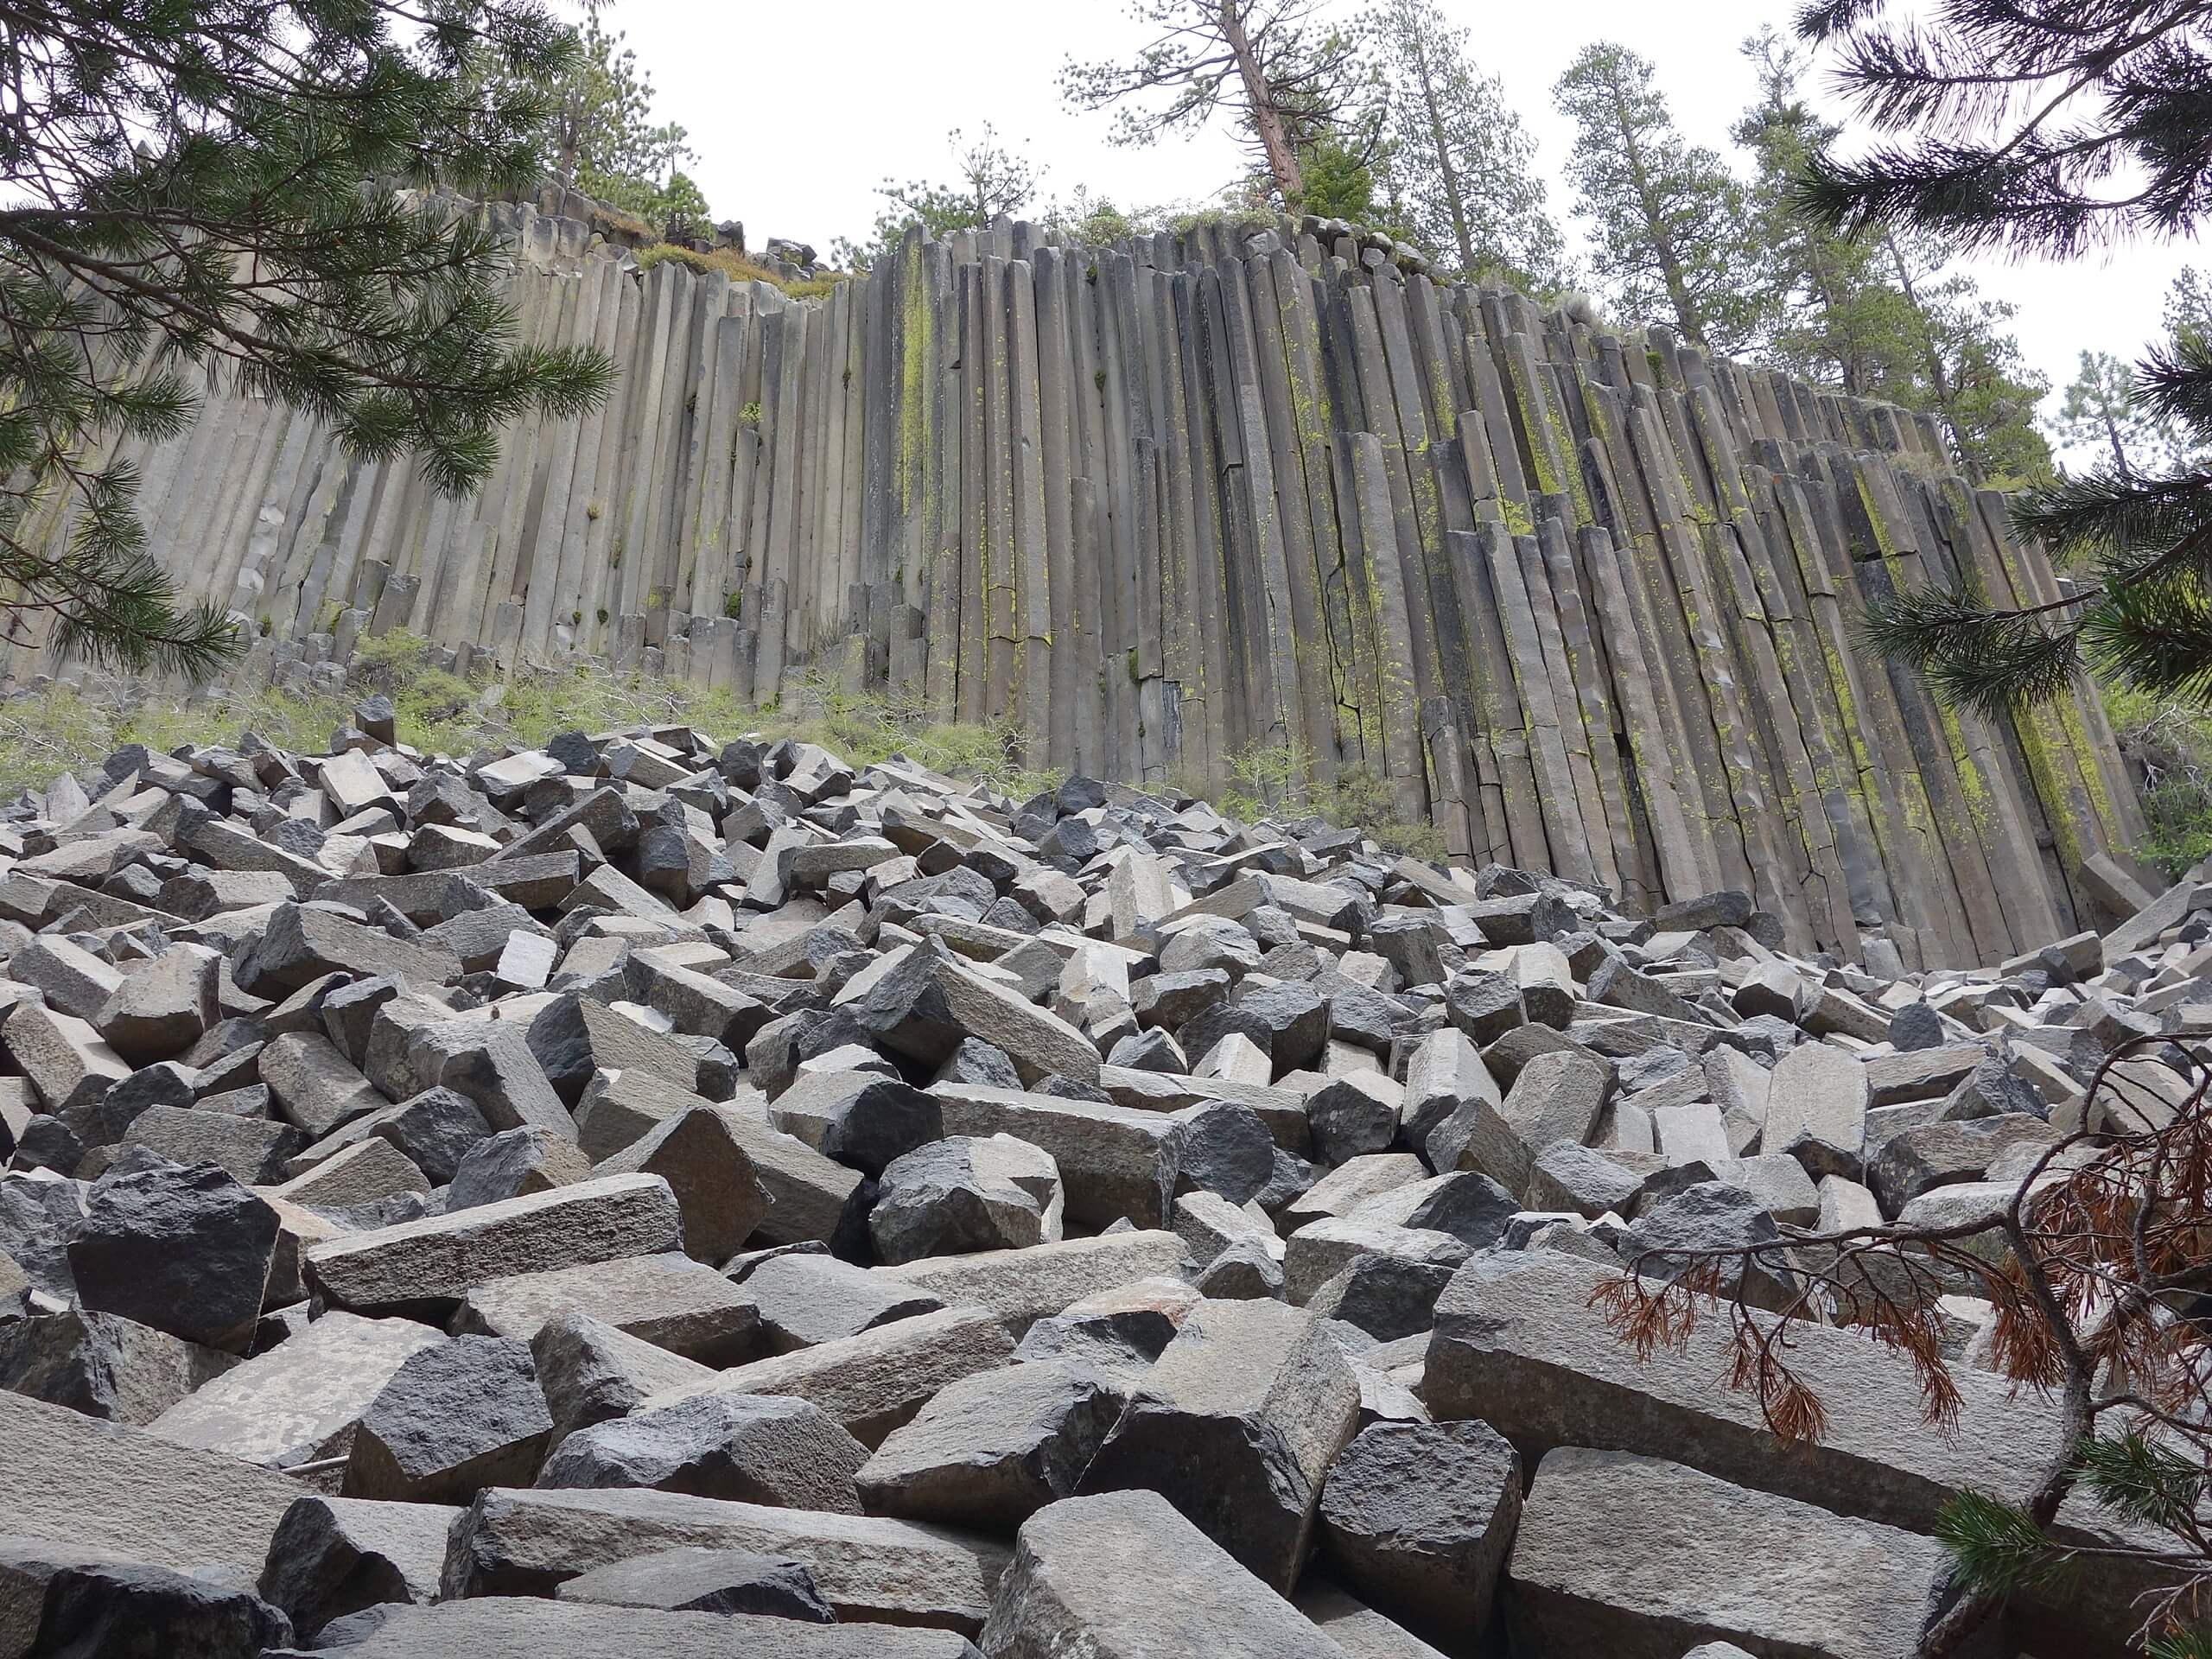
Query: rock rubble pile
(645, 1195)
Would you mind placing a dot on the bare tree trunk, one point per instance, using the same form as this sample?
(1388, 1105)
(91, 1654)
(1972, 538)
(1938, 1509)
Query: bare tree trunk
(1455, 200)
(1939, 372)
(1267, 120)
(2119, 450)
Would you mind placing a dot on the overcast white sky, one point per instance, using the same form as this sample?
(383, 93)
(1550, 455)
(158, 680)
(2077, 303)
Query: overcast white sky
(799, 111)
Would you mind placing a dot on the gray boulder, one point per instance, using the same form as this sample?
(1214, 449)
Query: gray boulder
(990, 1450)
(186, 1250)
(705, 1581)
(463, 1415)
(1417, 1517)
(748, 1448)
(1236, 1425)
(966, 1193)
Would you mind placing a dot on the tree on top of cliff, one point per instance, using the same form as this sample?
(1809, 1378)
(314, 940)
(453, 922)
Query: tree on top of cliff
(1273, 64)
(185, 198)
(994, 178)
(1457, 159)
(1671, 224)
(1872, 308)
(2053, 129)
(598, 131)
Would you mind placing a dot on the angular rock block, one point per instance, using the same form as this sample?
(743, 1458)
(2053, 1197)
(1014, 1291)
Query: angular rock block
(434, 1261)
(1417, 1518)
(299, 1402)
(873, 1382)
(870, 1569)
(1711, 1562)
(990, 1450)
(1237, 1425)
(1125, 1576)
(463, 1415)
(749, 1448)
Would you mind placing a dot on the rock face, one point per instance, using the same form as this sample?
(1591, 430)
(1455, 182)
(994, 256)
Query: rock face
(991, 1449)
(706, 1581)
(453, 1418)
(185, 1250)
(750, 1448)
(709, 1185)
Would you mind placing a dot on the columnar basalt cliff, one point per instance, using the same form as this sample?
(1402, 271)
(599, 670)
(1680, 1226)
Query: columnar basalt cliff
(1586, 600)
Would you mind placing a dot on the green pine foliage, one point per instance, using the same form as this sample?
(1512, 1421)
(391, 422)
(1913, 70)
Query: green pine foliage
(992, 177)
(597, 131)
(1999, 1548)
(1872, 311)
(1456, 161)
(186, 198)
(2102, 415)
(2088, 135)
(1673, 227)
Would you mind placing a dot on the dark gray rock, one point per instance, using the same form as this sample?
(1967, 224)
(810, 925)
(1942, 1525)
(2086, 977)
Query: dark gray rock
(332, 1557)
(435, 1129)
(1353, 1115)
(966, 1192)
(864, 1122)
(514, 1162)
(1125, 1574)
(186, 1250)
(808, 1299)
(705, 1581)
(455, 1418)
(1416, 1518)
(1246, 1270)
(1236, 1425)
(1709, 1216)
(590, 1372)
(748, 1448)
(1916, 1026)
(1225, 1147)
(1387, 1296)
(990, 1450)
(975, 1061)
(117, 1610)
(102, 1364)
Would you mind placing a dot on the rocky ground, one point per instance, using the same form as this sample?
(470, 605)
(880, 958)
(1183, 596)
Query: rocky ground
(645, 1195)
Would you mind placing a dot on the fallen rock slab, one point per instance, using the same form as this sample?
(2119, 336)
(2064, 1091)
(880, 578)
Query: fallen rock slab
(1125, 1576)
(1711, 1562)
(511, 1542)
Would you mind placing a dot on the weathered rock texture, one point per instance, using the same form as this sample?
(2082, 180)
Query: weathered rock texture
(1586, 601)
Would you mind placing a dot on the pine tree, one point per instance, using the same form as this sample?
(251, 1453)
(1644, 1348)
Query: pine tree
(993, 179)
(1840, 319)
(1672, 224)
(599, 134)
(200, 187)
(2187, 308)
(2048, 131)
(1871, 310)
(1275, 66)
(1970, 375)
(2101, 413)
(1460, 163)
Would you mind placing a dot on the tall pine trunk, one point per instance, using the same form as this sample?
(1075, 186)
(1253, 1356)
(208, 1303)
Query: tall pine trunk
(1267, 120)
